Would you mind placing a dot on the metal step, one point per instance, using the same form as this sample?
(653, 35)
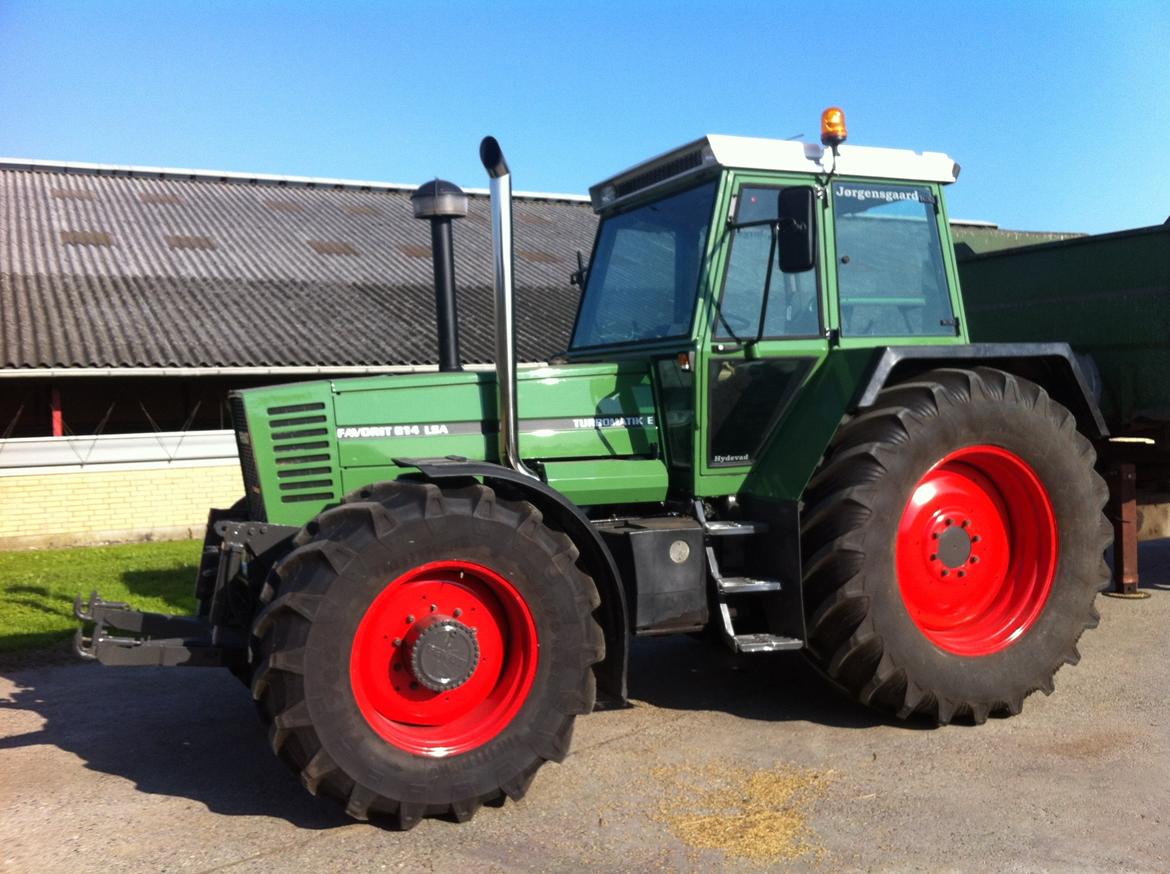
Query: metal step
(721, 528)
(726, 586)
(751, 643)
(747, 585)
(765, 643)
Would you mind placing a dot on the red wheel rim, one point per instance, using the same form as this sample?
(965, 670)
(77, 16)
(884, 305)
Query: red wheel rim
(976, 551)
(390, 685)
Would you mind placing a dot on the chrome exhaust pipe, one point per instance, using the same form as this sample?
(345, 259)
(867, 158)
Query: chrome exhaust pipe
(492, 157)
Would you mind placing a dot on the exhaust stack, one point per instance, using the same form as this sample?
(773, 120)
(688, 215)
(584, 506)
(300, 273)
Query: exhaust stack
(492, 157)
(440, 202)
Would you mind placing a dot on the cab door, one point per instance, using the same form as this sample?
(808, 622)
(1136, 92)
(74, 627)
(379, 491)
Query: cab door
(759, 349)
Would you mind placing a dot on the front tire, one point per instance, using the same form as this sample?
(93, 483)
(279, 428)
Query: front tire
(953, 543)
(426, 650)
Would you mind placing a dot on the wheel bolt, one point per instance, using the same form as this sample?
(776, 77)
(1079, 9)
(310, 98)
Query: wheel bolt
(945, 573)
(397, 641)
(410, 619)
(933, 557)
(414, 684)
(966, 523)
(974, 559)
(434, 607)
(962, 574)
(934, 536)
(458, 612)
(948, 522)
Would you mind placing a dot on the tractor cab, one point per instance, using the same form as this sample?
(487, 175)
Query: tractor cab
(736, 264)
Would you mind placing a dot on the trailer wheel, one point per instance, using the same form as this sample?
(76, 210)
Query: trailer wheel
(425, 651)
(953, 542)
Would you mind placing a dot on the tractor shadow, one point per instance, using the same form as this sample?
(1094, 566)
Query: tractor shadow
(195, 734)
(684, 673)
(687, 673)
(182, 733)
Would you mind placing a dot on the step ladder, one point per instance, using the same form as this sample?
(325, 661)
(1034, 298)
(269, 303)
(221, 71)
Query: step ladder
(728, 588)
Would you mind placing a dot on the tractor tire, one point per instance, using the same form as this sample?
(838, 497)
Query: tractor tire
(425, 650)
(953, 541)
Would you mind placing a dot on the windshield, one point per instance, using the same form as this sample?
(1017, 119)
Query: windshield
(644, 278)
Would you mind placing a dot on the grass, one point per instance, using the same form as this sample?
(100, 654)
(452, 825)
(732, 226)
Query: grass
(37, 588)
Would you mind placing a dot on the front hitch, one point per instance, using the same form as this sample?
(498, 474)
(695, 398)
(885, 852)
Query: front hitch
(155, 638)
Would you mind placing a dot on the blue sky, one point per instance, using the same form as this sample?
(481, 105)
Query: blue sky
(1059, 112)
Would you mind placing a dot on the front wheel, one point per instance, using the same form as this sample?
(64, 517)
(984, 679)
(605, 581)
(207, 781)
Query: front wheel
(426, 650)
(953, 542)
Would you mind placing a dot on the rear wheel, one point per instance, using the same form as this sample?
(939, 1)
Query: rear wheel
(425, 650)
(953, 544)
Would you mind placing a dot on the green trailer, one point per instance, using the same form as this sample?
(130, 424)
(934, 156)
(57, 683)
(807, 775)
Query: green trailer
(771, 427)
(1105, 295)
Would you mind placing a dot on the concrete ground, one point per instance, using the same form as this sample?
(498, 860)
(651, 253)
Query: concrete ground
(168, 770)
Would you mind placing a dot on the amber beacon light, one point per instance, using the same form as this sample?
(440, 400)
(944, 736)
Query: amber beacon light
(833, 131)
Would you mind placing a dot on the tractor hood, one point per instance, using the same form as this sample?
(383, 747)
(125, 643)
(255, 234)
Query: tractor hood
(592, 428)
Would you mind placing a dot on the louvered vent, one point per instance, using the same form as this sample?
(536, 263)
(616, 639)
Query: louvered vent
(661, 172)
(305, 460)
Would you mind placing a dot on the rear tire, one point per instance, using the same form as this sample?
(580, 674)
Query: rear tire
(953, 542)
(461, 698)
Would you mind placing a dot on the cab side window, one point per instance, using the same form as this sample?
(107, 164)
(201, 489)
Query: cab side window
(890, 276)
(793, 303)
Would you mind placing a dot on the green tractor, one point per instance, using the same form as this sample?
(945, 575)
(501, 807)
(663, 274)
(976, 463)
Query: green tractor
(769, 426)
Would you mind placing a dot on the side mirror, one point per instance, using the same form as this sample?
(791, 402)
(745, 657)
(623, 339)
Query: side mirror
(798, 229)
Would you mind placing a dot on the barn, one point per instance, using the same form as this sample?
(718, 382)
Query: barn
(132, 300)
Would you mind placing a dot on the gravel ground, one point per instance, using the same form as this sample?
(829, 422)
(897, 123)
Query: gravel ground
(167, 770)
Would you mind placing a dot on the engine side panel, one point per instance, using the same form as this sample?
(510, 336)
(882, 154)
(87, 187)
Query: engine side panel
(595, 425)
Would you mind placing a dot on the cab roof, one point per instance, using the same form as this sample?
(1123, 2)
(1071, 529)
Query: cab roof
(758, 153)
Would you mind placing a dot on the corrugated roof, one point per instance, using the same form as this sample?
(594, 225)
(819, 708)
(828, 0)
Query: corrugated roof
(154, 268)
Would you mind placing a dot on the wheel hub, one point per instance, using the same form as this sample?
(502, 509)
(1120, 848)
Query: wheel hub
(954, 547)
(444, 658)
(443, 653)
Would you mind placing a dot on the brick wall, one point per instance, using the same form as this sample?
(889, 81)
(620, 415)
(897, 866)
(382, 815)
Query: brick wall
(111, 506)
